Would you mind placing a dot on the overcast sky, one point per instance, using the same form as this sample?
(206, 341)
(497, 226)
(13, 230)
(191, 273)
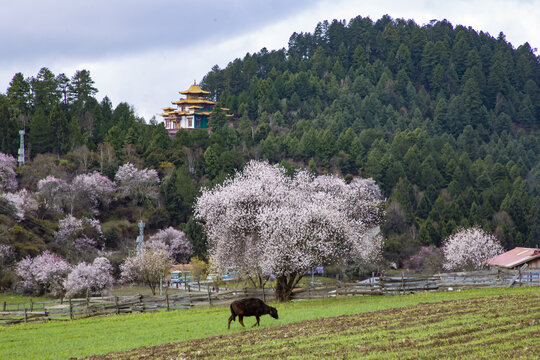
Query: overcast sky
(144, 51)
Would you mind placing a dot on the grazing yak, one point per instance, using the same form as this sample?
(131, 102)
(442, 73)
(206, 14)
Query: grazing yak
(250, 307)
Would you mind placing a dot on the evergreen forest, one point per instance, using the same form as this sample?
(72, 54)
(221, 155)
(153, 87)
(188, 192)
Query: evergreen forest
(444, 118)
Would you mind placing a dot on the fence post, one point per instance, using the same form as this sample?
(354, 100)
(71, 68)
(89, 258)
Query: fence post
(142, 302)
(167, 300)
(209, 297)
(70, 309)
(264, 295)
(116, 305)
(402, 284)
(4, 306)
(31, 305)
(25, 315)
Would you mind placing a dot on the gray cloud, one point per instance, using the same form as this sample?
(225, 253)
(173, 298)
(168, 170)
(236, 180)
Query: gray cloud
(32, 30)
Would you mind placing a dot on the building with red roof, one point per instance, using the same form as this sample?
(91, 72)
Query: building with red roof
(517, 257)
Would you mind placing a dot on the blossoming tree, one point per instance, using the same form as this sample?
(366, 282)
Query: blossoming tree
(91, 190)
(138, 185)
(173, 242)
(54, 192)
(8, 181)
(44, 273)
(148, 267)
(90, 278)
(468, 249)
(79, 238)
(22, 201)
(263, 222)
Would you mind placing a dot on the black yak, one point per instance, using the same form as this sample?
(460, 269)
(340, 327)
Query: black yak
(250, 307)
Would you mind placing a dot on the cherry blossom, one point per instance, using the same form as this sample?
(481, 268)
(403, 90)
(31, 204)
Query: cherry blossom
(54, 192)
(23, 202)
(44, 273)
(8, 180)
(91, 278)
(468, 249)
(91, 190)
(173, 242)
(263, 220)
(139, 185)
(147, 267)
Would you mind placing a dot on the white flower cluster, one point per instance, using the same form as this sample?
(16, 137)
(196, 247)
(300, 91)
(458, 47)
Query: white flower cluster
(262, 218)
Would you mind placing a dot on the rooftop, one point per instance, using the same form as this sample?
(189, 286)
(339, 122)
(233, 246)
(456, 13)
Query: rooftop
(515, 257)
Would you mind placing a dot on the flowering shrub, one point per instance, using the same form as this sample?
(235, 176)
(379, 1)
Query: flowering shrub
(147, 267)
(173, 242)
(54, 192)
(43, 274)
(139, 185)
(468, 249)
(91, 278)
(23, 202)
(91, 190)
(261, 219)
(8, 181)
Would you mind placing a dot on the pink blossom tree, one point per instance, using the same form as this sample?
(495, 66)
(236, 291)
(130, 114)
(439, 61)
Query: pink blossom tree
(90, 278)
(173, 242)
(8, 177)
(89, 191)
(427, 259)
(54, 192)
(44, 273)
(135, 184)
(23, 202)
(468, 249)
(79, 237)
(263, 222)
(147, 267)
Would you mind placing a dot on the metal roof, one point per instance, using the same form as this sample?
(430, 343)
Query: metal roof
(514, 257)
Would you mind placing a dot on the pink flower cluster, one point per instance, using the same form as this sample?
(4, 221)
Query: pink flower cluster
(137, 184)
(91, 278)
(44, 273)
(81, 232)
(468, 249)
(8, 180)
(54, 192)
(23, 202)
(262, 218)
(173, 242)
(147, 267)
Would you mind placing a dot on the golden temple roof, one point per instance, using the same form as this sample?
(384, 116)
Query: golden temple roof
(194, 89)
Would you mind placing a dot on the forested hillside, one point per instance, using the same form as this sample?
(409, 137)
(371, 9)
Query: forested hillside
(444, 118)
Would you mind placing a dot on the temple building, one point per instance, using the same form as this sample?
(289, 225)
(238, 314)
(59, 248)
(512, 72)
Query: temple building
(193, 112)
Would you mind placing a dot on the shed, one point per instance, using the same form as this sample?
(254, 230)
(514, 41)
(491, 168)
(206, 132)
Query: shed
(517, 257)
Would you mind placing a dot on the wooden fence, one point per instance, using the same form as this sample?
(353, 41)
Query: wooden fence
(387, 285)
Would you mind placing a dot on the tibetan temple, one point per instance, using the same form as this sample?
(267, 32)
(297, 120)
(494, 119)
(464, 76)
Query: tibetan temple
(193, 112)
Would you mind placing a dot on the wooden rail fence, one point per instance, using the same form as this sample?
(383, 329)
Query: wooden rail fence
(71, 309)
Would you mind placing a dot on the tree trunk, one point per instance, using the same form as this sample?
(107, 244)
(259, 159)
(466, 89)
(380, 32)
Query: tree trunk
(285, 285)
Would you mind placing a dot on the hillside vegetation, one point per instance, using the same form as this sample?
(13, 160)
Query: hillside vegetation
(443, 117)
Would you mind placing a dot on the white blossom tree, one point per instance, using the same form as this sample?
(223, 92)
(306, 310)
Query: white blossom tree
(44, 273)
(8, 180)
(54, 192)
(148, 267)
(173, 242)
(90, 278)
(135, 184)
(79, 238)
(468, 249)
(23, 202)
(89, 191)
(261, 221)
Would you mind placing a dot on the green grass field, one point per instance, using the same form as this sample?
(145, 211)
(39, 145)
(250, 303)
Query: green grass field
(299, 330)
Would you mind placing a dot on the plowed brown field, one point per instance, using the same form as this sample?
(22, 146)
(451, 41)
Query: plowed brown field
(504, 327)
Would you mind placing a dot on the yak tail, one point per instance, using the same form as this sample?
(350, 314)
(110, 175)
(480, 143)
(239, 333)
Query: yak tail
(233, 315)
